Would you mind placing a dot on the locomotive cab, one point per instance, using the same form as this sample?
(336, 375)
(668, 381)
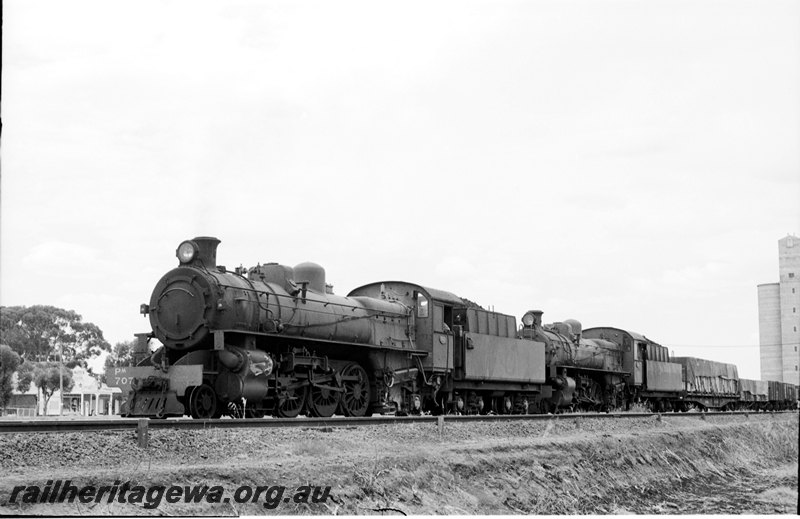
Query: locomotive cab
(470, 359)
(655, 379)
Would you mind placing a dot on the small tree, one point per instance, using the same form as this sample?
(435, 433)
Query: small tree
(45, 376)
(9, 362)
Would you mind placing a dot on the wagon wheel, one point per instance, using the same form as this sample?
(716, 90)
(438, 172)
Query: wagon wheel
(357, 395)
(291, 401)
(322, 401)
(507, 404)
(203, 403)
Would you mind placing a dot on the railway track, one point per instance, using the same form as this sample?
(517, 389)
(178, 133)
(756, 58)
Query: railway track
(95, 425)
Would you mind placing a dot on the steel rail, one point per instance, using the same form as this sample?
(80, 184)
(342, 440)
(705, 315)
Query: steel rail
(97, 425)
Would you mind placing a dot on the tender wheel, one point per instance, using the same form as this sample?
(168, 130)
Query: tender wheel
(523, 406)
(459, 406)
(322, 402)
(291, 402)
(357, 395)
(203, 403)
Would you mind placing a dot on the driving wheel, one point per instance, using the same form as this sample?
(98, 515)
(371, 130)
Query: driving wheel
(356, 397)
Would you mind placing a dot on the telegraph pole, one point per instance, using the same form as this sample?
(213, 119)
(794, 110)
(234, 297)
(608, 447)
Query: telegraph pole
(60, 378)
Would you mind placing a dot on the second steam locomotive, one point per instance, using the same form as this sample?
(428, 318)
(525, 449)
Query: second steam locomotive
(275, 340)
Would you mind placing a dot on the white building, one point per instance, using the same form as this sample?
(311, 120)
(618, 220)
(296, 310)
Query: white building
(779, 317)
(88, 397)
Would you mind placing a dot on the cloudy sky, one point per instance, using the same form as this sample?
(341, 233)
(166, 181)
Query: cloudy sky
(623, 163)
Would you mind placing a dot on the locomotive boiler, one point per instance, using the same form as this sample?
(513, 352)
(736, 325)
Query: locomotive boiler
(584, 373)
(199, 296)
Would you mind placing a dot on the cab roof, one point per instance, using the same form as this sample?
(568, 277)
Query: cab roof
(434, 293)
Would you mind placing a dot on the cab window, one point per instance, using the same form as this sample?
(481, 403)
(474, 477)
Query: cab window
(422, 305)
(438, 318)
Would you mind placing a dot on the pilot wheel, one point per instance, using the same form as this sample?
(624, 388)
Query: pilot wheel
(203, 403)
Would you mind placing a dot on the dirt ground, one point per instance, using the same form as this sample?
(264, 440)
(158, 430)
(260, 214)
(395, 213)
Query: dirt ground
(672, 465)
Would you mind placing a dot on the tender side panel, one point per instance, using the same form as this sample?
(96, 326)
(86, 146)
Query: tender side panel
(664, 376)
(491, 323)
(657, 352)
(504, 359)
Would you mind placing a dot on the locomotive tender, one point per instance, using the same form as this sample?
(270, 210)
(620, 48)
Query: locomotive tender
(275, 340)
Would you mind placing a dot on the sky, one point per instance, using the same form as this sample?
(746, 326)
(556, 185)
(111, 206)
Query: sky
(623, 163)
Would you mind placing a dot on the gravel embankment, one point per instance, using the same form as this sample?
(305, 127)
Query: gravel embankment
(628, 465)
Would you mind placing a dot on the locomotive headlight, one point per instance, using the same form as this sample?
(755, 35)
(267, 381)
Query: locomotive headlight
(527, 319)
(186, 252)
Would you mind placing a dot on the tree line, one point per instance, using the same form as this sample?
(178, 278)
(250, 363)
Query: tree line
(42, 344)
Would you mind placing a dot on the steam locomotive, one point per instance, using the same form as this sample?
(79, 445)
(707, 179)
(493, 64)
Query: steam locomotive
(275, 340)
